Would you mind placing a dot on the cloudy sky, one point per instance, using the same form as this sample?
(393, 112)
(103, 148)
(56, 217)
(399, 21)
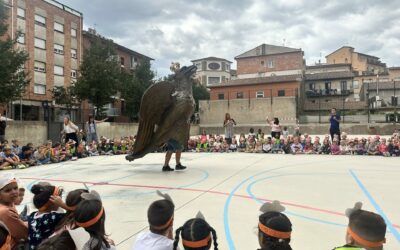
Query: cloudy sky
(183, 30)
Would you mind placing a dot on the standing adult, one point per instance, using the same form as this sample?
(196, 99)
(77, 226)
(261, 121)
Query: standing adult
(70, 130)
(3, 125)
(228, 125)
(335, 123)
(91, 129)
(276, 129)
(8, 213)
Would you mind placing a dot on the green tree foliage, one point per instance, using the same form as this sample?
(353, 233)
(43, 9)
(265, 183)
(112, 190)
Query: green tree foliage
(134, 86)
(66, 97)
(100, 75)
(13, 78)
(199, 93)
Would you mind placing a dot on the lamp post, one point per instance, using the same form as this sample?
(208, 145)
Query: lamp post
(46, 114)
(367, 95)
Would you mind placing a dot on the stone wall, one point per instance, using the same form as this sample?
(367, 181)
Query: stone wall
(247, 111)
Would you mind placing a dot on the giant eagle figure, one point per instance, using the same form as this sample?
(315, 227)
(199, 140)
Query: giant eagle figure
(165, 113)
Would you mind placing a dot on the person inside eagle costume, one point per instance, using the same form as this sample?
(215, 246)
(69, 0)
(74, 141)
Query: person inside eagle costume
(164, 117)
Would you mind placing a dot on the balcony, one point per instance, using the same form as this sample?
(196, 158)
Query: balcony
(328, 92)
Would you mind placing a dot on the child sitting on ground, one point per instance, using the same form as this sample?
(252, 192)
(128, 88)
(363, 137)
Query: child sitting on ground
(308, 147)
(366, 230)
(296, 147)
(161, 219)
(383, 148)
(267, 146)
(41, 224)
(317, 145)
(196, 235)
(373, 147)
(326, 147)
(335, 148)
(274, 228)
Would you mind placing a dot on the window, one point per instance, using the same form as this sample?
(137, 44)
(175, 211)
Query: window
(39, 88)
(73, 73)
(21, 38)
(74, 53)
(58, 70)
(40, 20)
(40, 43)
(270, 64)
(21, 13)
(262, 63)
(59, 27)
(355, 84)
(327, 85)
(281, 92)
(239, 95)
(260, 94)
(73, 32)
(221, 96)
(214, 80)
(343, 85)
(40, 66)
(122, 61)
(58, 49)
(311, 86)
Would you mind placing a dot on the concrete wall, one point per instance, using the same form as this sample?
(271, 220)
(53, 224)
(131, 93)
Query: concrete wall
(247, 111)
(314, 129)
(36, 132)
(27, 131)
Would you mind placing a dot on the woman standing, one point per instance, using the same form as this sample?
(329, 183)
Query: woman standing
(276, 129)
(70, 130)
(91, 129)
(228, 125)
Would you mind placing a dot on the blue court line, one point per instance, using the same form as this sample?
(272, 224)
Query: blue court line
(228, 235)
(251, 194)
(377, 207)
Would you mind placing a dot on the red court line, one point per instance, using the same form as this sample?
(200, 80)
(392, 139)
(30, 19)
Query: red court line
(192, 190)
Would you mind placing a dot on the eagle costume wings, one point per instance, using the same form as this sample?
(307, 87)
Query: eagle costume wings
(165, 113)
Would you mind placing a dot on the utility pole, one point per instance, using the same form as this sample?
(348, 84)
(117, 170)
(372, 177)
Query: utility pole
(367, 95)
(395, 101)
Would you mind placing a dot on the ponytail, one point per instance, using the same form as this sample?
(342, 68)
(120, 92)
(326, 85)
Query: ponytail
(176, 241)
(214, 235)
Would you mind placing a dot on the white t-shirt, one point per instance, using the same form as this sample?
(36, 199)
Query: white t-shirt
(151, 241)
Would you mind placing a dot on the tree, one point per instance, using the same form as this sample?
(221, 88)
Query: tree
(199, 93)
(134, 87)
(66, 97)
(100, 75)
(13, 78)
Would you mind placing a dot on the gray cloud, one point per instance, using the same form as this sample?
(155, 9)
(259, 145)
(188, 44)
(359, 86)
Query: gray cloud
(184, 30)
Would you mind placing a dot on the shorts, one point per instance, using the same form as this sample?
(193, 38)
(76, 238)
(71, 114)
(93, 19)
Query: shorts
(173, 146)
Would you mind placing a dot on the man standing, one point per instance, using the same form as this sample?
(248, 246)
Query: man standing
(3, 125)
(334, 120)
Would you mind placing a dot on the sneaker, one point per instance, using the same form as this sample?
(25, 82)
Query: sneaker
(167, 169)
(129, 158)
(179, 167)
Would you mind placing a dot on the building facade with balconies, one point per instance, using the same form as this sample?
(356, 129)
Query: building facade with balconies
(212, 71)
(51, 33)
(329, 86)
(129, 60)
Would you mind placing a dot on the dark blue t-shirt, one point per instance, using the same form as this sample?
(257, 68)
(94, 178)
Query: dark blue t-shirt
(334, 122)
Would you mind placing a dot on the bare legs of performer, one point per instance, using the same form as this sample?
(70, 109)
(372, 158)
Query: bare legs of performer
(168, 156)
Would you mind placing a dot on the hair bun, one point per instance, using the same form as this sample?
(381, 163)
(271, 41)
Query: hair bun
(37, 189)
